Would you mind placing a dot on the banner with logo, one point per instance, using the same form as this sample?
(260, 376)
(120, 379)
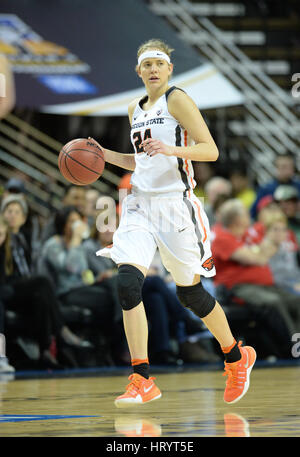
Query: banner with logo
(79, 56)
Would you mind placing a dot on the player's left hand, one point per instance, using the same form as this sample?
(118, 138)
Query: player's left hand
(152, 147)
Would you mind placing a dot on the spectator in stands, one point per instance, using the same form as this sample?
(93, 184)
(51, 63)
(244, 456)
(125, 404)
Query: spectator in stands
(214, 188)
(241, 186)
(30, 295)
(287, 197)
(284, 264)
(31, 228)
(243, 269)
(64, 258)
(5, 269)
(267, 209)
(74, 196)
(285, 174)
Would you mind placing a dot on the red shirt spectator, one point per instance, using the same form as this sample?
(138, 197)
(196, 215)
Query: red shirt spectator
(257, 231)
(230, 272)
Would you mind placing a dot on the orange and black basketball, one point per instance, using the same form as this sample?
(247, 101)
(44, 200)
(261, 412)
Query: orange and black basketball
(81, 161)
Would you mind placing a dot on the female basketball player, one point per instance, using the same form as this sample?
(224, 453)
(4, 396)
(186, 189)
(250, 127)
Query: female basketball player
(168, 133)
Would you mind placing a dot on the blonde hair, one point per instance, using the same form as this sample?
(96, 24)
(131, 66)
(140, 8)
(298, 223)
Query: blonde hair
(229, 211)
(154, 43)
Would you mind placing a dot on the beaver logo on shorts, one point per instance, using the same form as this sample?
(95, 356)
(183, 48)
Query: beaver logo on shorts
(208, 264)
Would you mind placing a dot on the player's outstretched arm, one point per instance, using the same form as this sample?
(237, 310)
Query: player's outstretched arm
(183, 108)
(119, 159)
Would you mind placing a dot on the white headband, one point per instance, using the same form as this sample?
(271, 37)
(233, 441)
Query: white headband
(153, 55)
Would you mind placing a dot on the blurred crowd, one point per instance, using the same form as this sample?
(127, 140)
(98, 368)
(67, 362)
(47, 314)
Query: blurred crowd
(59, 306)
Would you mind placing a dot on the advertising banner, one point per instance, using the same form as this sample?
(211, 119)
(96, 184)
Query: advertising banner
(79, 56)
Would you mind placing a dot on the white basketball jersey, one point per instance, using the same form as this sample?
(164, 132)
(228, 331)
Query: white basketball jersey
(160, 173)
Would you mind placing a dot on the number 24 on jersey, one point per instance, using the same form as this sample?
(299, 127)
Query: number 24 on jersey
(137, 137)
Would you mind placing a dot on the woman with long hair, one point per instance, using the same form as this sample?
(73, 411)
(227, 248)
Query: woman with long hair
(168, 132)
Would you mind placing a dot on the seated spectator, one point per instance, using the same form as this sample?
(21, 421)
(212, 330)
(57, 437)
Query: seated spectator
(74, 196)
(265, 208)
(64, 257)
(285, 174)
(287, 197)
(31, 228)
(284, 264)
(257, 231)
(215, 188)
(243, 269)
(31, 295)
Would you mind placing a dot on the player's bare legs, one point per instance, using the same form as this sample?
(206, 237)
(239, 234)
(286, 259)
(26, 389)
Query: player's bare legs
(216, 322)
(136, 331)
(141, 389)
(239, 360)
(136, 328)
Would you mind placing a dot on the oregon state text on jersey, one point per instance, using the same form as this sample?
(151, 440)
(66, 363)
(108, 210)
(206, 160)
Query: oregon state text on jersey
(160, 173)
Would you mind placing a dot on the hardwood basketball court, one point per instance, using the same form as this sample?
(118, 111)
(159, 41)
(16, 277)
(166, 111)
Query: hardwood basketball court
(191, 406)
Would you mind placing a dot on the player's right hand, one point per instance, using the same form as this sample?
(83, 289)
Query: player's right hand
(96, 142)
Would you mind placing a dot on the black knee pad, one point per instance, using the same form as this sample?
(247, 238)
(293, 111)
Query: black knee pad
(130, 283)
(196, 298)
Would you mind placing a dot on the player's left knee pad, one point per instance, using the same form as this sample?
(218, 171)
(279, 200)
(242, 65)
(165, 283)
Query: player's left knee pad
(196, 298)
(130, 283)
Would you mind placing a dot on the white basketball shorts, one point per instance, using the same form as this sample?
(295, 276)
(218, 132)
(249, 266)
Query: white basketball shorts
(176, 225)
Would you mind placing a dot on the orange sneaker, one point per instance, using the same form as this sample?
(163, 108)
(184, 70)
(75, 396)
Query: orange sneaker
(238, 374)
(140, 390)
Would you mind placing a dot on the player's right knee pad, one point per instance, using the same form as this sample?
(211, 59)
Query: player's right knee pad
(130, 283)
(196, 298)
